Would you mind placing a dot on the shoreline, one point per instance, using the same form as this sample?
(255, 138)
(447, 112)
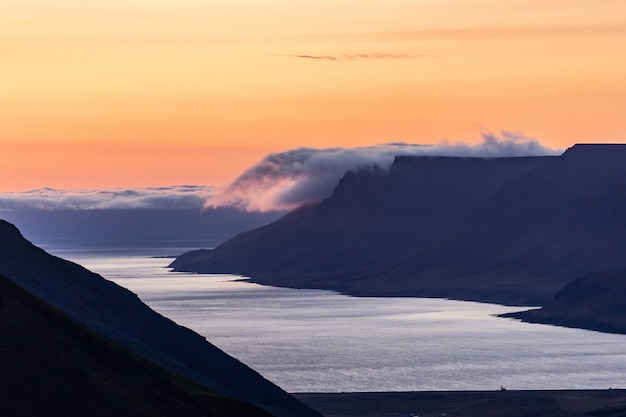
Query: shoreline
(527, 313)
(502, 403)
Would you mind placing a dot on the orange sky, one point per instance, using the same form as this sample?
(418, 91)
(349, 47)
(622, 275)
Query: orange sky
(129, 93)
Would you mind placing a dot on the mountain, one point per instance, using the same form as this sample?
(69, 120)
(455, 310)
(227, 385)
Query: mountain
(117, 315)
(505, 230)
(595, 301)
(556, 223)
(51, 365)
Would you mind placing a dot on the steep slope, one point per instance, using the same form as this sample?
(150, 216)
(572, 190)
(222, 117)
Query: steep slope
(507, 230)
(596, 301)
(372, 221)
(557, 222)
(120, 316)
(51, 365)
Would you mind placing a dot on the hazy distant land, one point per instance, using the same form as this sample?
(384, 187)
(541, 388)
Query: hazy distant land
(126, 227)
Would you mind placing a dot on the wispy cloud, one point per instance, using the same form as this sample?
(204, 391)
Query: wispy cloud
(184, 196)
(288, 179)
(356, 57)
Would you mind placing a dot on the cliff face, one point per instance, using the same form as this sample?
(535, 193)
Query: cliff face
(371, 222)
(555, 223)
(508, 230)
(119, 316)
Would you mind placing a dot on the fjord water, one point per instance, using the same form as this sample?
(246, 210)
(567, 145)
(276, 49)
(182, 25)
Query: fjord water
(320, 341)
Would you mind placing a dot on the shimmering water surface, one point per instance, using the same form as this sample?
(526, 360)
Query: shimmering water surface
(309, 340)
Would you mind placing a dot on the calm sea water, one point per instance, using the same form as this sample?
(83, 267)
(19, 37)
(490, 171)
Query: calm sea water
(320, 341)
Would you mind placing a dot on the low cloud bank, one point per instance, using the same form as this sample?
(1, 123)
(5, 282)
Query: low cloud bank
(285, 180)
(185, 196)
(281, 181)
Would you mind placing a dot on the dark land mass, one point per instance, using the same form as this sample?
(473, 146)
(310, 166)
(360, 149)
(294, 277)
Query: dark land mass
(117, 315)
(503, 230)
(53, 366)
(358, 240)
(596, 301)
(600, 403)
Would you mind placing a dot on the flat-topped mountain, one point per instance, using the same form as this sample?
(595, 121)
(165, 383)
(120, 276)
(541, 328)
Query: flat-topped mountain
(507, 230)
(117, 315)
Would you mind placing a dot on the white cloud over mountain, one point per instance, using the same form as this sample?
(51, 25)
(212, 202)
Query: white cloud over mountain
(287, 179)
(280, 181)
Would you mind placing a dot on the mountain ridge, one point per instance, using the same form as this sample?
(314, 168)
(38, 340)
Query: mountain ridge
(504, 230)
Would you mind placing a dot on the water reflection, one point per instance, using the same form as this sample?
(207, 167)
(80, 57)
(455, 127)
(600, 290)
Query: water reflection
(309, 340)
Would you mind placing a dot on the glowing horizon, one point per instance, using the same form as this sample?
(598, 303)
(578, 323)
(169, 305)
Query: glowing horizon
(161, 93)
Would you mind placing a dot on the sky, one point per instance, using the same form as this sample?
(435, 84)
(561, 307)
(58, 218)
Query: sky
(139, 93)
(278, 182)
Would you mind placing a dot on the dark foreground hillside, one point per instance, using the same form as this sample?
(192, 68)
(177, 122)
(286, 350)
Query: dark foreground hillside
(117, 315)
(52, 366)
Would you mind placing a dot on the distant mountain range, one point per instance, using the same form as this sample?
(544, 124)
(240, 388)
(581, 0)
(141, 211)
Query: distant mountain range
(134, 227)
(504, 230)
(73, 340)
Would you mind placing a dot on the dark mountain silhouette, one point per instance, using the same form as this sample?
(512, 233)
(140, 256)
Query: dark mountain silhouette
(506, 230)
(118, 315)
(596, 301)
(53, 366)
(551, 225)
(373, 220)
